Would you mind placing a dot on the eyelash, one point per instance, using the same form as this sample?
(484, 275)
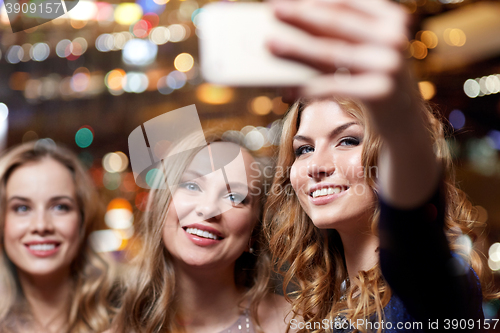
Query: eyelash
(63, 207)
(237, 198)
(17, 207)
(186, 185)
(351, 141)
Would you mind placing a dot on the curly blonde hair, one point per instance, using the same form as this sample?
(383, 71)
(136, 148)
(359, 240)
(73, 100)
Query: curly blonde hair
(90, 307)
(150, 303)
(315, 263)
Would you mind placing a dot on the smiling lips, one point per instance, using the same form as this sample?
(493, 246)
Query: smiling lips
(43, 249)
(202, 233)
(323, 191)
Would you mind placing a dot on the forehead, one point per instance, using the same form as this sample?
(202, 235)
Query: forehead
(322, 116)
(238, 164)
(46, 176)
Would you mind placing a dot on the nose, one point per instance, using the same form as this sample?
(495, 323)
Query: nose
(207, 207)
(42, 223)
(321, 165)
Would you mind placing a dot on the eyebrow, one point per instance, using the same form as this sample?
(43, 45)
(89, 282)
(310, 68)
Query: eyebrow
(238, 185)
(50, 200)
(194, 173)
(333, 133)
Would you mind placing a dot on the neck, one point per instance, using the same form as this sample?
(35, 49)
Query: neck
(48, 298)
(360, 250)
(208, 299)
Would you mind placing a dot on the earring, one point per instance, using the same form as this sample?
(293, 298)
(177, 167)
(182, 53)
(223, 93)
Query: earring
(250, 248)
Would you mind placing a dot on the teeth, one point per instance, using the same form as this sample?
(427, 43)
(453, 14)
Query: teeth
(327, 191)
(201, 233)
(42, 247)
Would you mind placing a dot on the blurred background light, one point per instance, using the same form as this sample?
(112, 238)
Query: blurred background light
(471, 88)
(184, 62)
(261, 105)
(139, 52)
(40, 51)
(159, 35)
(214, 94)
(178, 33)
(427, 89)
(457, 119)
(150, 6)
(84, 137)
(115, 162)
(176, 79)
(105, 241)
(136, 82)
(254, 140)
(119, 214)
(127, 13)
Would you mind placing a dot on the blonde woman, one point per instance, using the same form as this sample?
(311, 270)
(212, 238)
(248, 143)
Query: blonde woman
(50, 279)
(369, 232)
(203, 266)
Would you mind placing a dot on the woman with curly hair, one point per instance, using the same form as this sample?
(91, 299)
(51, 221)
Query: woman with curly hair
(50, 278)
(369, 232)
(202, 265)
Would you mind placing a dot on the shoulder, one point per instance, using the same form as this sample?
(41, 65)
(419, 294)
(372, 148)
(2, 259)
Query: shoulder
(275, 314)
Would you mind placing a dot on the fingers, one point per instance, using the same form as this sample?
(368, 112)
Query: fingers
(354, 21)
(328, 55)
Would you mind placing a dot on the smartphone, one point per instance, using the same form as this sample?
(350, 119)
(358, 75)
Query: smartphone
(232, 43)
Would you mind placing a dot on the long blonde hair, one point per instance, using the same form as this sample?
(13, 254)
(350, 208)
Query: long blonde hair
(150, 304)
(90, 307)
(315, 262)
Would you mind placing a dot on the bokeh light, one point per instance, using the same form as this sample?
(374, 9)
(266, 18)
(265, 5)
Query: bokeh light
(105, 241)
(261, 105)
(128, 13)
(214, 94)
(115, 162)
(184, 62)
(454, 37)
(119, 214)
(457, 119)
(84, 137)
(427, 89)
(429, 38)
(139, 52)
(471, 88)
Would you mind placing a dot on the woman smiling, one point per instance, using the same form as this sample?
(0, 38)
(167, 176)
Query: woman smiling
(372, 232)
(50, 279)
(203, 266)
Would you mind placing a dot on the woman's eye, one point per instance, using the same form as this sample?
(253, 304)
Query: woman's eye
(62, 207)
(303, 150)
(237, 198)
(190, 186)
(349, 141)
(21, 209)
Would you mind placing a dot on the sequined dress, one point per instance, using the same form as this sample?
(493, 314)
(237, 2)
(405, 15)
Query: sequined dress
(430, 284)
(242, 325)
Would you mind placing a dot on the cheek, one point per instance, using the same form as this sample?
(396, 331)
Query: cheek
(244, 221)
(69, 228)
(14, 229)
(181, 205)
(296, 178)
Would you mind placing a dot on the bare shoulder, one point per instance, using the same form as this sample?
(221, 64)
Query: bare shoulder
(275, 314)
